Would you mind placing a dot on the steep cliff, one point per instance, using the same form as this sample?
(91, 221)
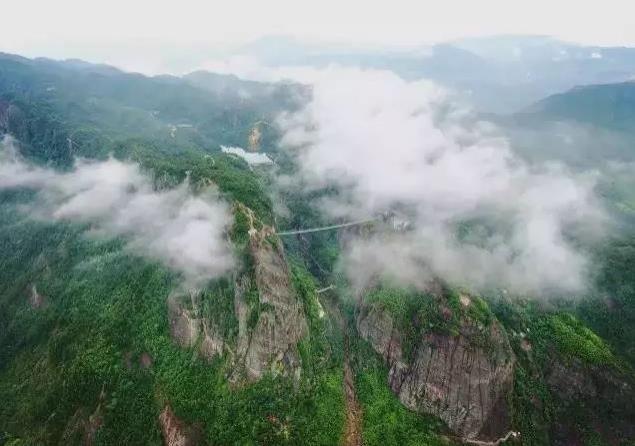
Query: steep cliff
(445, 362)
(269, 318)
(83, 426)
(176, 432)
(601, 397)
(191, 330)
(569, 386)
(275, 321)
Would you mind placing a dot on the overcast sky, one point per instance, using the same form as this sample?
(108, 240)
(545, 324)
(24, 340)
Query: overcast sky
(105, 30)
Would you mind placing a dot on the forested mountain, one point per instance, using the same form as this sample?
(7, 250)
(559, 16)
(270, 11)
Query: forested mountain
(587, 127)
(122, 329)
(101, 103)
(606, 106)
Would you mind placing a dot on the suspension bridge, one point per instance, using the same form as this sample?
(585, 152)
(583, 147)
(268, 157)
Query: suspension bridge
(328, 228)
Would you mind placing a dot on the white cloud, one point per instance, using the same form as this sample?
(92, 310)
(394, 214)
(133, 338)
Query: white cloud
(186, 232)
(146, 29)
(388, 143)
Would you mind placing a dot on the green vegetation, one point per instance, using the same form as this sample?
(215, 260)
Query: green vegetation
(99, 304)
(216, 304)
(83, 322)
(325, 343)
(240, 229)
(610, 310)
(573, 339)
(554, 332)
(52, 101)
(102, 309)
(531, 405)
(608, 105)
(232, 176)
(386, 422)
(550, 345)
(416, 313)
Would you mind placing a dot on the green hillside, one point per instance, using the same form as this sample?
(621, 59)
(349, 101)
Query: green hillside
(608, 105)
(101, 345)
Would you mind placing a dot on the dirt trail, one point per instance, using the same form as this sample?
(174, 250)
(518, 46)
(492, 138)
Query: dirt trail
(353, 424)
(353, 429)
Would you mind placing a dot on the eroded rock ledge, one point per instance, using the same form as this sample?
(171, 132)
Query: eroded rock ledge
(270, 317)
(176, 432)
(451, 376)
(272, 343)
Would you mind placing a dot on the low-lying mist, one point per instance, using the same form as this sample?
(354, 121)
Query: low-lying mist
(182, 230)
(480, 215)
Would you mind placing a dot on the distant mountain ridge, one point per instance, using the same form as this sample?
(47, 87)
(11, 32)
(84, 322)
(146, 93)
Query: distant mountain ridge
(498, 74)
(206, 110)
(100, 344)
(608, 105)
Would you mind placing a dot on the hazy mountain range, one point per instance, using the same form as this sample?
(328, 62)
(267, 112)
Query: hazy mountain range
(402, 270)
(499, 74)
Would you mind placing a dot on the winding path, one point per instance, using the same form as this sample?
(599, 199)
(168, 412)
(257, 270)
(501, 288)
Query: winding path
(353, 426)
(352, 434)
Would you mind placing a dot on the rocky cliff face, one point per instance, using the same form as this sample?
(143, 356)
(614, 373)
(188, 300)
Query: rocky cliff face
(188, 327)
(175, 432)
(255, 135)
(83, 426)
(272, 342)
(453, 376)
(270, 317)
(601, 396)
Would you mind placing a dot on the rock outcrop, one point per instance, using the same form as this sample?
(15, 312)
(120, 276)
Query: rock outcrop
(601, 396)
(36, 300)
(452, 376)
(83, 426)
(188, 327)
(271, 344)
(254, 138)
(185, 326)
(176, 432)
(270, 317)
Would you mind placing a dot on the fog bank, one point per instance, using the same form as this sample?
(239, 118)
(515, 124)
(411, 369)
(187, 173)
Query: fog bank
(182, 230)
(481, 216)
